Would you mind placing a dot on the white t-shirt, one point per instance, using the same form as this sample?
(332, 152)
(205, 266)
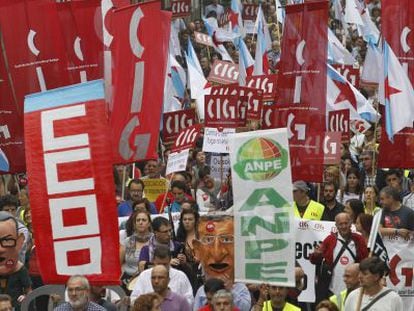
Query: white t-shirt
(391, 302)
(337, 284)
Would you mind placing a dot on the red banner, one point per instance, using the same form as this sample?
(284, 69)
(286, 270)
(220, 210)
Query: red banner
(224, 72)
(338, 121)
(332, 148)
(69, 163)
(34, 47)
(304, 55)
(350, 73)
(175, 122)
(250, 12)
(254, 102)
(81, 25)
(187, 138)
(11, 128)
(221, 111)
(305, 141)
(108, 7)
(302, 87)
(397, 27)
(141, 36)
(180, 8)
(266, 83)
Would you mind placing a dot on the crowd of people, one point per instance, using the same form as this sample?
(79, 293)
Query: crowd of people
(190, 266)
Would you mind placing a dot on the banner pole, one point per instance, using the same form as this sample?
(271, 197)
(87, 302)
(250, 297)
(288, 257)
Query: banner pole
(123, 182)
(17, 183)
(165, 195)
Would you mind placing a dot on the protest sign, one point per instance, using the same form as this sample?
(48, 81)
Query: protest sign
(263, 214)
(216, 140)
(400, 279)
(177, 161)
(154, 187)
(69, 164)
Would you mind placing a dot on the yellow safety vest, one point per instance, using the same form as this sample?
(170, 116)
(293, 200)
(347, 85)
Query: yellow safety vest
(341, 303)
(314, 211)
(267, 306)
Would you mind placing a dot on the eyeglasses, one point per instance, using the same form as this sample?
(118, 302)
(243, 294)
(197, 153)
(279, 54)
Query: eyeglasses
(224, 238)
(76, 289)
(8, 242)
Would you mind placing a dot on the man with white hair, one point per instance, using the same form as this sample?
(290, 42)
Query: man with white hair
(78, 289)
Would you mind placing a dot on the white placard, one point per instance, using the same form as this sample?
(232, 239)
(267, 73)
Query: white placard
(217, 140)
(177, 161)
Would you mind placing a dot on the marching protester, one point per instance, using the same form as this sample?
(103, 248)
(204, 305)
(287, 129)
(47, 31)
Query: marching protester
(334, 253)
(374, 294)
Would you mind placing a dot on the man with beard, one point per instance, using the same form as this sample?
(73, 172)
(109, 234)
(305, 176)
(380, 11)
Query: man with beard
(215, 250)
(78, 292)
(332, 206)
(396, 219)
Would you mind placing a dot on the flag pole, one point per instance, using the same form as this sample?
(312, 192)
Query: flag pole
(123, 182)
(166, 193)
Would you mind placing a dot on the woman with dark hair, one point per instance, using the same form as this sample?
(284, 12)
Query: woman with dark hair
(371, 195)
(353, 188)
(142, 205)
(186, 233)
(138, 229)
(148, 302)
(363, 225)
(354, 208)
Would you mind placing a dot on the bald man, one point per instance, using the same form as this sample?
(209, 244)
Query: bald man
(338, 251)
(351, 280)
(171, 301)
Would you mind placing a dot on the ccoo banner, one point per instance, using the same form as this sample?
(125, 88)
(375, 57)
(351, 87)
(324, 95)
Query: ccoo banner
(263, 216)
(69, 163)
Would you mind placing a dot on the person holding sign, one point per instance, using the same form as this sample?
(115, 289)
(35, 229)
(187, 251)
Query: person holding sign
(334, 254)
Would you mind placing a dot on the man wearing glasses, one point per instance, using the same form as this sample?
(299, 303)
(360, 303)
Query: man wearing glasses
(78, 292)
(215, 250)
(14, 277)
